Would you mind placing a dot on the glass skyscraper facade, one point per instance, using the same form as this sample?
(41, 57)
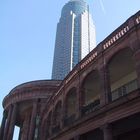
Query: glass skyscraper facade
(75, 37)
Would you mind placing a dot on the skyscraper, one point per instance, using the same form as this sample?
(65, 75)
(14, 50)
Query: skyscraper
(75, 37)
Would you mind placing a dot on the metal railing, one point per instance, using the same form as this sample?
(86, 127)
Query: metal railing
(125, 89)
(90, 107)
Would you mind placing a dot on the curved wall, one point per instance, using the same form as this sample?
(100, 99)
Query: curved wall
(66, 115)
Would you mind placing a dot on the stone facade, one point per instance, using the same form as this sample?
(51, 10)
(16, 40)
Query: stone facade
(99, 99)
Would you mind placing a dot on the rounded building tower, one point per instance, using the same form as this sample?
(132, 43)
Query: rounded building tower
(22, 107)
(75, 37)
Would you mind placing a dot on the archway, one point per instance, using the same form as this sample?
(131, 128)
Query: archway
(91, 92)
(57, 117)
(123, 77)
(71, 106)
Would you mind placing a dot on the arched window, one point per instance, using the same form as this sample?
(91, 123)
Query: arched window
(57, 113)
(49, 123)
(71, 100)
(123, 77)
(91, 92)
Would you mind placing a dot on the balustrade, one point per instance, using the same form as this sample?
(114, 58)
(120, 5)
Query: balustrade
(125, 89)
(90, 107)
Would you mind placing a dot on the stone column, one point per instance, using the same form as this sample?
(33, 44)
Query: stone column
(7, 122)
(80, 100)
(20, 134)
(3, 125)
(25, 127)
(105, 86)
(107, 132)
(137, 65)
(43, 130)
(32, 122)
(12, 122)
(63, 109)
(134, 42)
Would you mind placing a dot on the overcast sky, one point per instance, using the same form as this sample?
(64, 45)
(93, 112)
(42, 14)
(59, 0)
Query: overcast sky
(27, 35)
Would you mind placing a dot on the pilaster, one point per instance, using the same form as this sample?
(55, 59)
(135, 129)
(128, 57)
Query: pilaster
(3, 125)
(105, 97)
(32, 122)
(107, 132)
(136, 57)
(25, 127)
(7, 122)
(12, 122)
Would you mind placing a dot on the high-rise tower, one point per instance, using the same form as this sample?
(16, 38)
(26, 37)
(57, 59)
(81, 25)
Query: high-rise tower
(75, 37)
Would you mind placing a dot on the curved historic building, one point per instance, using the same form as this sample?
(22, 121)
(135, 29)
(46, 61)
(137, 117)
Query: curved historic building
(99, 99)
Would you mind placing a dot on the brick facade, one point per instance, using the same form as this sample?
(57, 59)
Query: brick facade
(32, 106)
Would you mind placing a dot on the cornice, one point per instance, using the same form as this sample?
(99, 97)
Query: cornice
(31, 90)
